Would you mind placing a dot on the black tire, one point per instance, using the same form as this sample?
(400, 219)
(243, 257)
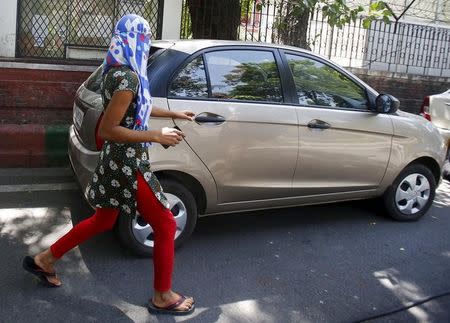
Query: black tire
(125, 223)
(389, 195)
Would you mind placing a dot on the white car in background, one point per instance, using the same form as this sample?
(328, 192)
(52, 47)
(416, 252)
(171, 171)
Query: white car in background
(436, 108)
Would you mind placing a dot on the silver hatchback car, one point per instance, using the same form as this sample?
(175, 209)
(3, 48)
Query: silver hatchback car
(275, 126)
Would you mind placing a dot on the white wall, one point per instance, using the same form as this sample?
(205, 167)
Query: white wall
(8, 15)
(413, 49)
(171, 19)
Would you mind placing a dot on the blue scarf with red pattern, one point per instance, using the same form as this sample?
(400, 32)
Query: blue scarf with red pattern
(130, 47)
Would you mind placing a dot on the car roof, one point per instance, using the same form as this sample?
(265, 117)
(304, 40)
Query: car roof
(190, 46)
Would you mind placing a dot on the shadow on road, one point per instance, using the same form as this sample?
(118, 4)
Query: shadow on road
(336, 262)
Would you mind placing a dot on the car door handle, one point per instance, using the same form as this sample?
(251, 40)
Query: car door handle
(207, 117)
(318, 124)
(447, 103)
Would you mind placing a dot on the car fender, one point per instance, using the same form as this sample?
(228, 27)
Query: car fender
(414, 138)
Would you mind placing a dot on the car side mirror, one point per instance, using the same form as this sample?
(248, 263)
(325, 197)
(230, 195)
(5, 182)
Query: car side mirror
(386, 103)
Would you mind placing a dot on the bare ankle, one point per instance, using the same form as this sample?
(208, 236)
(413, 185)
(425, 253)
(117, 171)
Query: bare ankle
(47, 257)
(163, 295)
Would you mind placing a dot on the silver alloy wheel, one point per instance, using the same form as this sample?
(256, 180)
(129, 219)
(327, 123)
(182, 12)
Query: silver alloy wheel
(143, 232)
(412, 194)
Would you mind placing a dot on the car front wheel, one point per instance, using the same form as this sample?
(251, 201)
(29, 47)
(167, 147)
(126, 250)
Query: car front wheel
(137, 235)
(411, 194)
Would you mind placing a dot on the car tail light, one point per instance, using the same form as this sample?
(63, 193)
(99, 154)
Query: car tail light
(425, 108)
(98, 140)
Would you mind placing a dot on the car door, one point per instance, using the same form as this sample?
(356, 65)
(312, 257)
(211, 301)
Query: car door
(343, 147)
(243, 132)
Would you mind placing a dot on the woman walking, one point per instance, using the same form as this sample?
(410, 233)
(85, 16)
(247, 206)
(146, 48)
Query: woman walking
(122, 181)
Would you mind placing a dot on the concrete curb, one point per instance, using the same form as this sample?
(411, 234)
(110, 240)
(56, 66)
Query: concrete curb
(31, 145)
(56, 143)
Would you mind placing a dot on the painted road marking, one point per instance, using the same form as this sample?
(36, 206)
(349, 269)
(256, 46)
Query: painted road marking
(38, 187)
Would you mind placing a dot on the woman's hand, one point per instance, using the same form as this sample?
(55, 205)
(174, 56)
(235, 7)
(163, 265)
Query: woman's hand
(170, 136)
(186, 115)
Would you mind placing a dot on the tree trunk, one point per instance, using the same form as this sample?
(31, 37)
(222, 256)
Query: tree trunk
(215, 19)
(293, 27)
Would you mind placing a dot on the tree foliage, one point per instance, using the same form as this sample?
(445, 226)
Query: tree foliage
(255, 81)
(319, 84)
(337, 12)
(294, 16)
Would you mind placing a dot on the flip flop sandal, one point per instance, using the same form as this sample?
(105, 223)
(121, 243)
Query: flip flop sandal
(170, 309)
(30, 266)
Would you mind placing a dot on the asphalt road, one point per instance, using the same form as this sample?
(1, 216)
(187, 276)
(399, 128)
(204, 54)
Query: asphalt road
(334, 263)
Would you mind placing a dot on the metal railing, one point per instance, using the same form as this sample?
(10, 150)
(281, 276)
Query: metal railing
(46, 28)
(405, 47)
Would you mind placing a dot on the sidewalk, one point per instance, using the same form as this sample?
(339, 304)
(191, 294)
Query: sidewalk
(35, 112)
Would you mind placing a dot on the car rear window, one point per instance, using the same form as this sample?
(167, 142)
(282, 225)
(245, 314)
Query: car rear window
(191, 82)
(95, 79)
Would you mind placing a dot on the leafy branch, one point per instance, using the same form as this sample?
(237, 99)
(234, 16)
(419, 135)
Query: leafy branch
(337, 12)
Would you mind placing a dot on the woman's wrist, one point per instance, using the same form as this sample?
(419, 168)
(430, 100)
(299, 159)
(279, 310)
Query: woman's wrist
(153, 135)
(172, 114)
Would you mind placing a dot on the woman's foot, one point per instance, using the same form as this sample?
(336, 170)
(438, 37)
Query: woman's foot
(172, 301)
(46, 261)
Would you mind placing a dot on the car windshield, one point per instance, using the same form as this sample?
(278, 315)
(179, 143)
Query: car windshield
(95, 79)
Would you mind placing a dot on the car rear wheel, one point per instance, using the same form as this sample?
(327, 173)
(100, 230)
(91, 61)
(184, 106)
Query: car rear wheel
(411, 194)
(137, 235)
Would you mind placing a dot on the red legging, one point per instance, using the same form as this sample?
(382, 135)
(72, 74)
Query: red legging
(160, 218)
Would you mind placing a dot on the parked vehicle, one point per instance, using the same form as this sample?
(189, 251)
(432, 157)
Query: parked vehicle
(275, 126)
(436, 108)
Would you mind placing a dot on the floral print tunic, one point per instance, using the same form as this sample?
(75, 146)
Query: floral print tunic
(114, 184)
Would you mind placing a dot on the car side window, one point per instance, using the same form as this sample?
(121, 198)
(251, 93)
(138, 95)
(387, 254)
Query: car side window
(190, 81)
(318, 84)
(250, 75)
